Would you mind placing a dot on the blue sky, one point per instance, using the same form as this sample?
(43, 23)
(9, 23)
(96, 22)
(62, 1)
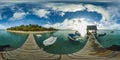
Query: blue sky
(106, 15)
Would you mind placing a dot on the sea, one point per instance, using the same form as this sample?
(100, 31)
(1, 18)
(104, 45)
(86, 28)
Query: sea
(15, 40)
(111, 38)
(62, 45)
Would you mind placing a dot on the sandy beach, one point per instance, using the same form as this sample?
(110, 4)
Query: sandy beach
(27, 32)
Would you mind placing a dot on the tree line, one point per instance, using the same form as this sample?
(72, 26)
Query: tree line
(30, 27)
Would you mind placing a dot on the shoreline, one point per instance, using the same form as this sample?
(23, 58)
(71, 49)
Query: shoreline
(27, 32)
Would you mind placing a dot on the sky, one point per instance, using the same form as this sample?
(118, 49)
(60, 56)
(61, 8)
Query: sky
(66, 14)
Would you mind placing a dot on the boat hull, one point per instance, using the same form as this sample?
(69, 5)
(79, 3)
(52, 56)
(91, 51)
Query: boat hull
(49, 41)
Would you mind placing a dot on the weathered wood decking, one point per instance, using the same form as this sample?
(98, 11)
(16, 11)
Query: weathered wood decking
(92, 49)
(30, 51)
(1, 58)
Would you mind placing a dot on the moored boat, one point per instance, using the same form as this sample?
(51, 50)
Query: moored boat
(112, 31)
(77, 33)
(74, 37)
(38, 35)
(103, 34)
(51, 40)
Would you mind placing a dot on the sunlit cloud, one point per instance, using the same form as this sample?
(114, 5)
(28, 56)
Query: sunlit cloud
(66, 7)
(80, 7)
(114, 11)
(2, 26)
(98, 9)
(107, 20)
(62, 14)
(41, 12)
(107, 13)
(79, 24)
(18, 15)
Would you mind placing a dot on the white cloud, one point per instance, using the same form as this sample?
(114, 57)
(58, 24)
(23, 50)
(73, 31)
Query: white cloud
(59, 0)
(114, 11)
(80, 7)
(112, 23)
(2, 26)
(18, 15)
(106, 21)
(109, 26)
(79, 24)
(41, 12)
(2, 5)
(69, 24)
(92, 8)
(66, 7)
(62, 14)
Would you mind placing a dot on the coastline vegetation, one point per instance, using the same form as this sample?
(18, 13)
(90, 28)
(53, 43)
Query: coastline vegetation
(31, 27)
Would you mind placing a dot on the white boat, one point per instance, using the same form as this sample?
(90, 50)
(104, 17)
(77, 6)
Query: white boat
(38, 35)
(51, 40)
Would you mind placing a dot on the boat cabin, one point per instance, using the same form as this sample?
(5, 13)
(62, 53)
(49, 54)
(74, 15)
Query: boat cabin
(91, 29)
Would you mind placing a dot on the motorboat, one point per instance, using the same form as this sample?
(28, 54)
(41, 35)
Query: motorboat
(112, 31)
(38, 35)
(77, 33)
(51, 40)
(103, 34)
(74, 37)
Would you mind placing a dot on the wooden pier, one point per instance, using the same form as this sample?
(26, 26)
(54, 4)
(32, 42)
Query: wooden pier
(30, 51)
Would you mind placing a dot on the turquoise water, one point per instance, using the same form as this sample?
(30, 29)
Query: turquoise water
(13, 39)
(110, 39)
(62, 45)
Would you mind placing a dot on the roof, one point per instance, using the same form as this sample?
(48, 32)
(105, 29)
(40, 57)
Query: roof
(91, 27)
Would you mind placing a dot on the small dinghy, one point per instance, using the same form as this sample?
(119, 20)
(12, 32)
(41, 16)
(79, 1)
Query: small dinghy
(38, 35)
(51, 40)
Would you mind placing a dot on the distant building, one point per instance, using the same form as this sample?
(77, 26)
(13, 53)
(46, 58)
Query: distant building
(92, 29)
